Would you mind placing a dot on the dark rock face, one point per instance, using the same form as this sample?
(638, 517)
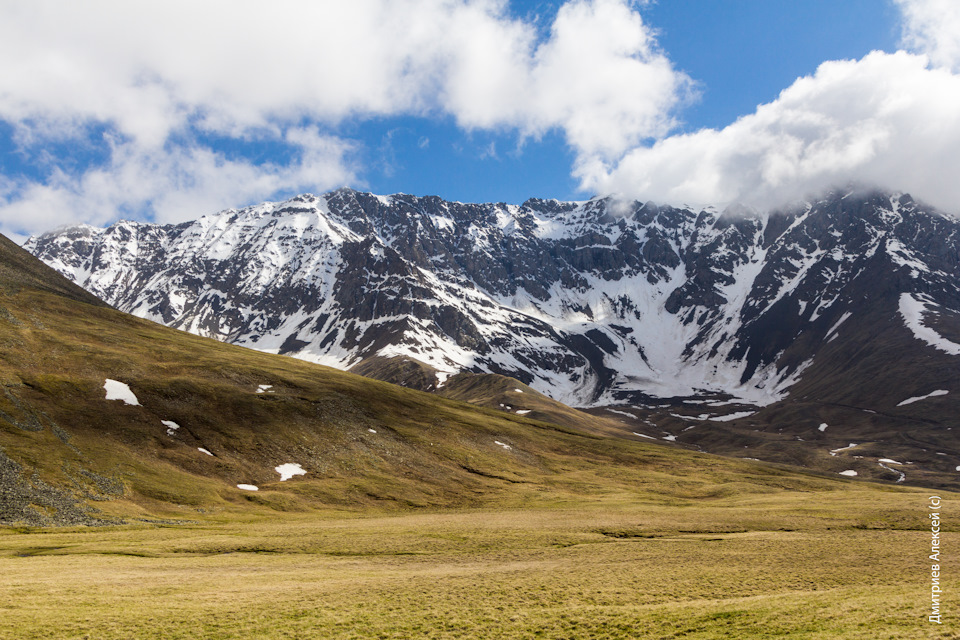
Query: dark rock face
(591, 303)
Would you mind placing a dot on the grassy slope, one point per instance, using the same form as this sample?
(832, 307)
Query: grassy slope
(398, 370)
(490, 390)
(503, 393)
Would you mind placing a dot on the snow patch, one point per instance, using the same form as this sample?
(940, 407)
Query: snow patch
(120, 391)
(837, 324)
(171, 426)
(932, 394)
(372, 430)
(834, 452)
(671, 438)
(912, 310)
(248, 487)
(518, 390)
(849, 472)
(823, 426)
(202, 450)
(505, 446)
(264, 388)
(652, 438)
(523, 412)
(289, 470)
(732, 416)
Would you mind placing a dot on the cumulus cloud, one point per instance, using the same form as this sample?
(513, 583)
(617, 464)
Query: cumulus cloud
(161, 77)
(887, 119)
(933, 27)
(599, 77)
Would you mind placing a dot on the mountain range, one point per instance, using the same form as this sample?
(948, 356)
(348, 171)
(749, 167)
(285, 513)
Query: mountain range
(786, 335)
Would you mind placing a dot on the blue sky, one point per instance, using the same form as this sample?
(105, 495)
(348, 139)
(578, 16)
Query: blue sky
(166, 112)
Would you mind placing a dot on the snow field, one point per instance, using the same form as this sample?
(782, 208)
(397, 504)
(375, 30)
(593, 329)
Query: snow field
(732, 416)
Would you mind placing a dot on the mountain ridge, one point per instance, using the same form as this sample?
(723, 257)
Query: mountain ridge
(563, 296)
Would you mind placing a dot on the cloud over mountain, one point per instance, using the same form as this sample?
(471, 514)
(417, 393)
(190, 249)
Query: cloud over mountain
(933, 27)
(888, 119)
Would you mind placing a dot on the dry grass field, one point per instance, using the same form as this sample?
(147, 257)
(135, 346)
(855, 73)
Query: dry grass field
(845, 565)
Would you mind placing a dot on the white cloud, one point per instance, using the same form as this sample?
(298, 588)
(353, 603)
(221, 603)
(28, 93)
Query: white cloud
(887, 119)
(599, 77)
(159, 76)
(933, 27)
(168, 185)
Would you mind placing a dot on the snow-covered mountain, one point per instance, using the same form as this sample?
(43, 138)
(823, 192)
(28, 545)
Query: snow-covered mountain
(593, 303)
